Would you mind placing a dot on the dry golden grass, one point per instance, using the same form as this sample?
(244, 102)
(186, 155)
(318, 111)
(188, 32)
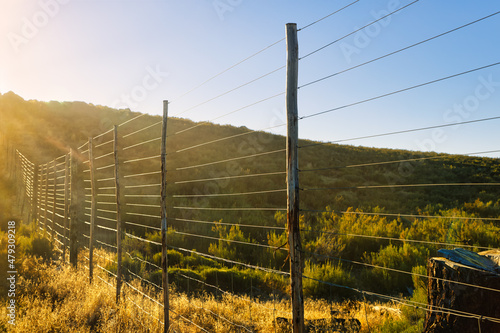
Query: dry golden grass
(54, 298)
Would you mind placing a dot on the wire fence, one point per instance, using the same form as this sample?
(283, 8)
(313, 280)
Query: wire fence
(174, 215)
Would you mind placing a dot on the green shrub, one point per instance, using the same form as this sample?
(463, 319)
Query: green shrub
(400, 258)
(39, 247)
(330, 273)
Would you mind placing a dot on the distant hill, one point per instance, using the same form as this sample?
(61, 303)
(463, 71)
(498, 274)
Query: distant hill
(45, 130)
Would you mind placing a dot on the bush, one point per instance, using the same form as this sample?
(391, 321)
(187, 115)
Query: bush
(330, 273)
(400, 258)
(33, 244)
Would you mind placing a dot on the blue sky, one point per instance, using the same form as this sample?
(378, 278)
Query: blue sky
(135, 54)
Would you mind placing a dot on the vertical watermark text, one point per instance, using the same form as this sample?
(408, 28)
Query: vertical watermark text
(11, 272)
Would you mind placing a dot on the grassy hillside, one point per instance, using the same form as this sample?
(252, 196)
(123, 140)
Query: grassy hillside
(44, 131)
(55, 298)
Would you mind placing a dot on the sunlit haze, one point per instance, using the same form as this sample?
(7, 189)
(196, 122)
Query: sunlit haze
(135, 54)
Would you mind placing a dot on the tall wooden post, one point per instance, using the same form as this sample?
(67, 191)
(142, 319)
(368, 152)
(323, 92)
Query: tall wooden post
(93, 208)
(119, 232)
(66, 204)
(73, 211)
(164, 262)
(294, 242)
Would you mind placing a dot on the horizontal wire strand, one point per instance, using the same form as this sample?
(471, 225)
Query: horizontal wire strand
(402, 240)
(405, 215)
(404, 131)
(233, 89)
(268, 270)
(143, 159)
(132, 119)
(231, 159)
(398, 51)
(227, 69)
(142, 225)
(141, 143)
(402, 271)
(398, 186)
(225, 223)
(400, 91)
(142, 129)
(227, 138)
(229, 113)
(104, 143)
(359, 29)
(229, 240)
(230, 208)
(327, 16)
(142, 239)
(227, 194)
(392, 162)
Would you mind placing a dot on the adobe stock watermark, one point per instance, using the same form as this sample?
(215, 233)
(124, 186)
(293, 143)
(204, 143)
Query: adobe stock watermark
(222, 7)
(459, 112)
(252, 145)
(153, 78)
(30, 27)
(364, 37)
(11, 272)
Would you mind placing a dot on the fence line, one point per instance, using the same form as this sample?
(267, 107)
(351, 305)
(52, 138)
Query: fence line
(55, 189)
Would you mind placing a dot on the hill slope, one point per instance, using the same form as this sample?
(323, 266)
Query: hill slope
(226, 197)
(43, 131)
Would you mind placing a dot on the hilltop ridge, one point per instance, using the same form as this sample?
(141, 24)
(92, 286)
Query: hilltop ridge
(46, 130)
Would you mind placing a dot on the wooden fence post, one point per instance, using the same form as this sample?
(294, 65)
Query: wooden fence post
(119, 232)
(54, 184)
(164, 261)
(39, 196)
(34, 198)
(93, 209)
(46, 197)
(73, 211)
(294, 242)
(66, 204)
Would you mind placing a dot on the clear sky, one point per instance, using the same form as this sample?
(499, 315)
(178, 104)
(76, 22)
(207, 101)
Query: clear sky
(131, 53)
